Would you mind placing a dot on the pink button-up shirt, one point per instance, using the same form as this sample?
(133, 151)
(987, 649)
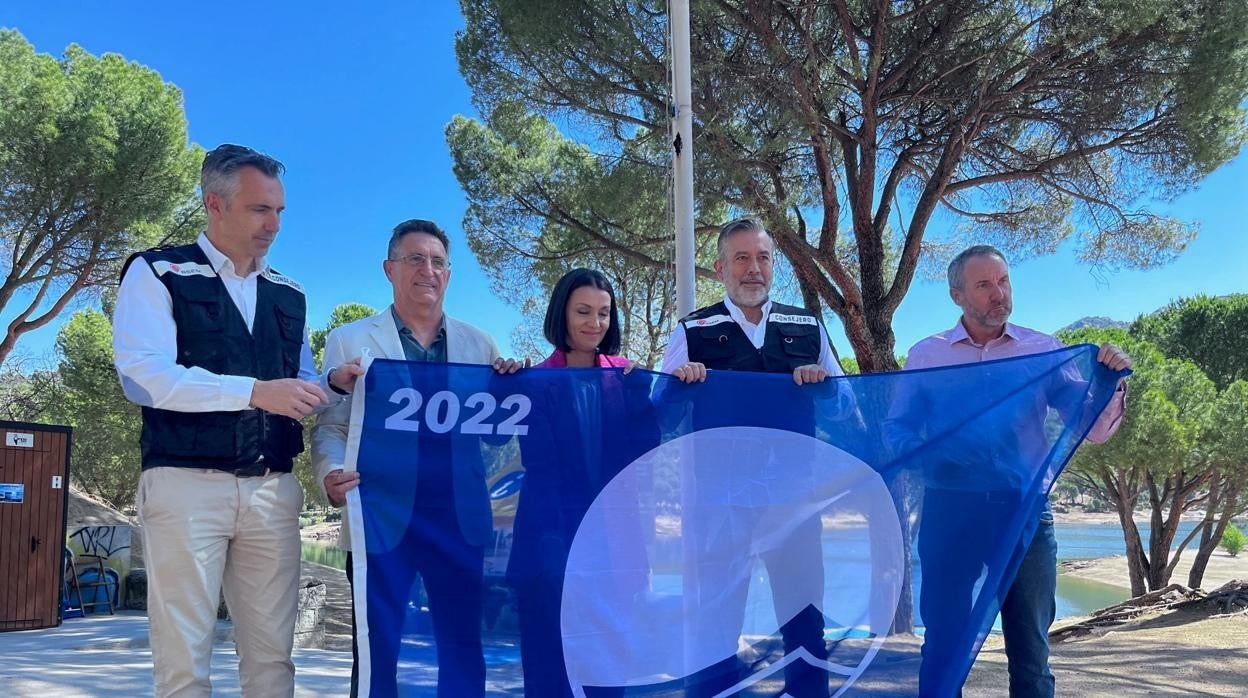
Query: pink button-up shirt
(955, 346)
(559, 359)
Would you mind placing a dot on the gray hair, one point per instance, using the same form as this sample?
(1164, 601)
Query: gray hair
(219, 174)
(956, 280)
(416, 225)
(740, 225)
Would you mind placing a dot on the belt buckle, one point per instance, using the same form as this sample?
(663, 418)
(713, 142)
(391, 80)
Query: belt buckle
(255, 470)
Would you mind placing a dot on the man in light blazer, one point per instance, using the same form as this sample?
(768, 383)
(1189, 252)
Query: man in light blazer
(451, 518)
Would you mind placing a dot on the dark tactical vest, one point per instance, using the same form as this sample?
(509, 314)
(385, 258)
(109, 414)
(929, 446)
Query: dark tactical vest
(213, 335)
(716, 340)
(791, 340)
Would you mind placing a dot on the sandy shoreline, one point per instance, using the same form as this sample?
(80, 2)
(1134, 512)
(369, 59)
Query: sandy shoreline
(1222, 568)
(1076, 516)
(1085, 517)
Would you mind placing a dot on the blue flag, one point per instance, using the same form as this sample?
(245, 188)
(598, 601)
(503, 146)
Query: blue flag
(582, 532)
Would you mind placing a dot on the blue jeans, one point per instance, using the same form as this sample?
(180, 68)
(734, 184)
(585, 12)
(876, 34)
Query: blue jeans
(1027, 613)
(953, 555)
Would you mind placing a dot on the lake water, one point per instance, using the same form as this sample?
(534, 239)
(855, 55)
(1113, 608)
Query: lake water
(1087, 541)
(326, 554)
(1075, 596)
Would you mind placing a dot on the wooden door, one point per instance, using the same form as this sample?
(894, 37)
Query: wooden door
(34, 472)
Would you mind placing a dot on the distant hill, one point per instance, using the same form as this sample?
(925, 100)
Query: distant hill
(1097, 322)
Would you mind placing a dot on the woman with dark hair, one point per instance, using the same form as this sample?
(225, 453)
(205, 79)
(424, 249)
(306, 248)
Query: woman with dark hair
(565, 469)
(583, 323)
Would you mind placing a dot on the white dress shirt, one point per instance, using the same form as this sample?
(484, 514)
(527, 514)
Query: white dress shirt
(677, 352)
(145, 343)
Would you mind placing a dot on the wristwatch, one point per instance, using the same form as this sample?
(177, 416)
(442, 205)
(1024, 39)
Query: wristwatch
(329, 380)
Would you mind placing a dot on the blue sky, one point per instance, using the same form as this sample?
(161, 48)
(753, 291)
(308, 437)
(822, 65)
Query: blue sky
(354, 100)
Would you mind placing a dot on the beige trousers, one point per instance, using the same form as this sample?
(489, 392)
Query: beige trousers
(205, 527)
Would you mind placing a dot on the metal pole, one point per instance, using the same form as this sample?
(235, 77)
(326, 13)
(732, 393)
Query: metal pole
(682, 193)
(682, 157)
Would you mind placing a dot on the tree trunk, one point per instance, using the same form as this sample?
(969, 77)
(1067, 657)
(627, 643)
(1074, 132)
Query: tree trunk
(1164, 527)
(903, 621)
(1137, 561)
(1206, 526)
(1212, 535)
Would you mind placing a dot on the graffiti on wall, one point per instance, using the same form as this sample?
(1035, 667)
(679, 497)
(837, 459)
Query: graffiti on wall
(109, 542)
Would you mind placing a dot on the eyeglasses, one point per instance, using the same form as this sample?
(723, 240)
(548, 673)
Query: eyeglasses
(419, 260)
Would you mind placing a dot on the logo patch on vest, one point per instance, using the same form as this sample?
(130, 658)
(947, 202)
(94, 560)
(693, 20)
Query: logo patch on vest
(708, 321)
(282, 279)
(793, 319)
(163, 267)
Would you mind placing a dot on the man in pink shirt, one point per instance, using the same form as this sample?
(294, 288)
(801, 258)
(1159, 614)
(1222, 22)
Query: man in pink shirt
(979, 283)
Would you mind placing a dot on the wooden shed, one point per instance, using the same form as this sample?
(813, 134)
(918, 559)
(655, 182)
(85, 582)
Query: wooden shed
(34, 490)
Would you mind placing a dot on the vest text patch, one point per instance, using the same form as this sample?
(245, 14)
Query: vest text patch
(708, 321)
(162, 267)
(277, 278)
(793, 319)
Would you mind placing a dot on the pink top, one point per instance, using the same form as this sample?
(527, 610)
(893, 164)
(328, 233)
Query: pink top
(559, 359)
(617, 518)
(955, 346)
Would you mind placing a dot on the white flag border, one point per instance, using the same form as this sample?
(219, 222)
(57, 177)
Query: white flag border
(359, 550)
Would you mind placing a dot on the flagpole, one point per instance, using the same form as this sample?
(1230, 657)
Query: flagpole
(682, 194)
(682, 156)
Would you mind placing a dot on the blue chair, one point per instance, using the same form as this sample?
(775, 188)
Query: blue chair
(100, 583)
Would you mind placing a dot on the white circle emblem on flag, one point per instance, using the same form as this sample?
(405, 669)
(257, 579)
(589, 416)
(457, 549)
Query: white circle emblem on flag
(711, 541)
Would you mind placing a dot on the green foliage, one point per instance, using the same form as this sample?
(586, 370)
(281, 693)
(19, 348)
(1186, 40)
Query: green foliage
(1098, 506)
(1165, 452)
(1233, 540)
(95, 165)
(1032, 123)
(339, 316)
(1225, 441)
(1209, 332)
(541, 204)
(1065, 491)
(1170, 401)
(312, 497)
(105, 458)
(850, 365)
(30, 396)
(1210, 99)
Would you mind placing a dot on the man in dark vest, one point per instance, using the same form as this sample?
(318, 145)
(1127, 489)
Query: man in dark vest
(212, 343)
(747, 331)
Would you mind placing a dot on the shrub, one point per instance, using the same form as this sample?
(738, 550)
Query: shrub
(1233, 540)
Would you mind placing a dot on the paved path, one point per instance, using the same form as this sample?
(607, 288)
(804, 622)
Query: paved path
(108, 656)
(336, 613)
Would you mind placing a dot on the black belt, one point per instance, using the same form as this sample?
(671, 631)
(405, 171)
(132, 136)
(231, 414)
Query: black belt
(253, 470)
(257, 469)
